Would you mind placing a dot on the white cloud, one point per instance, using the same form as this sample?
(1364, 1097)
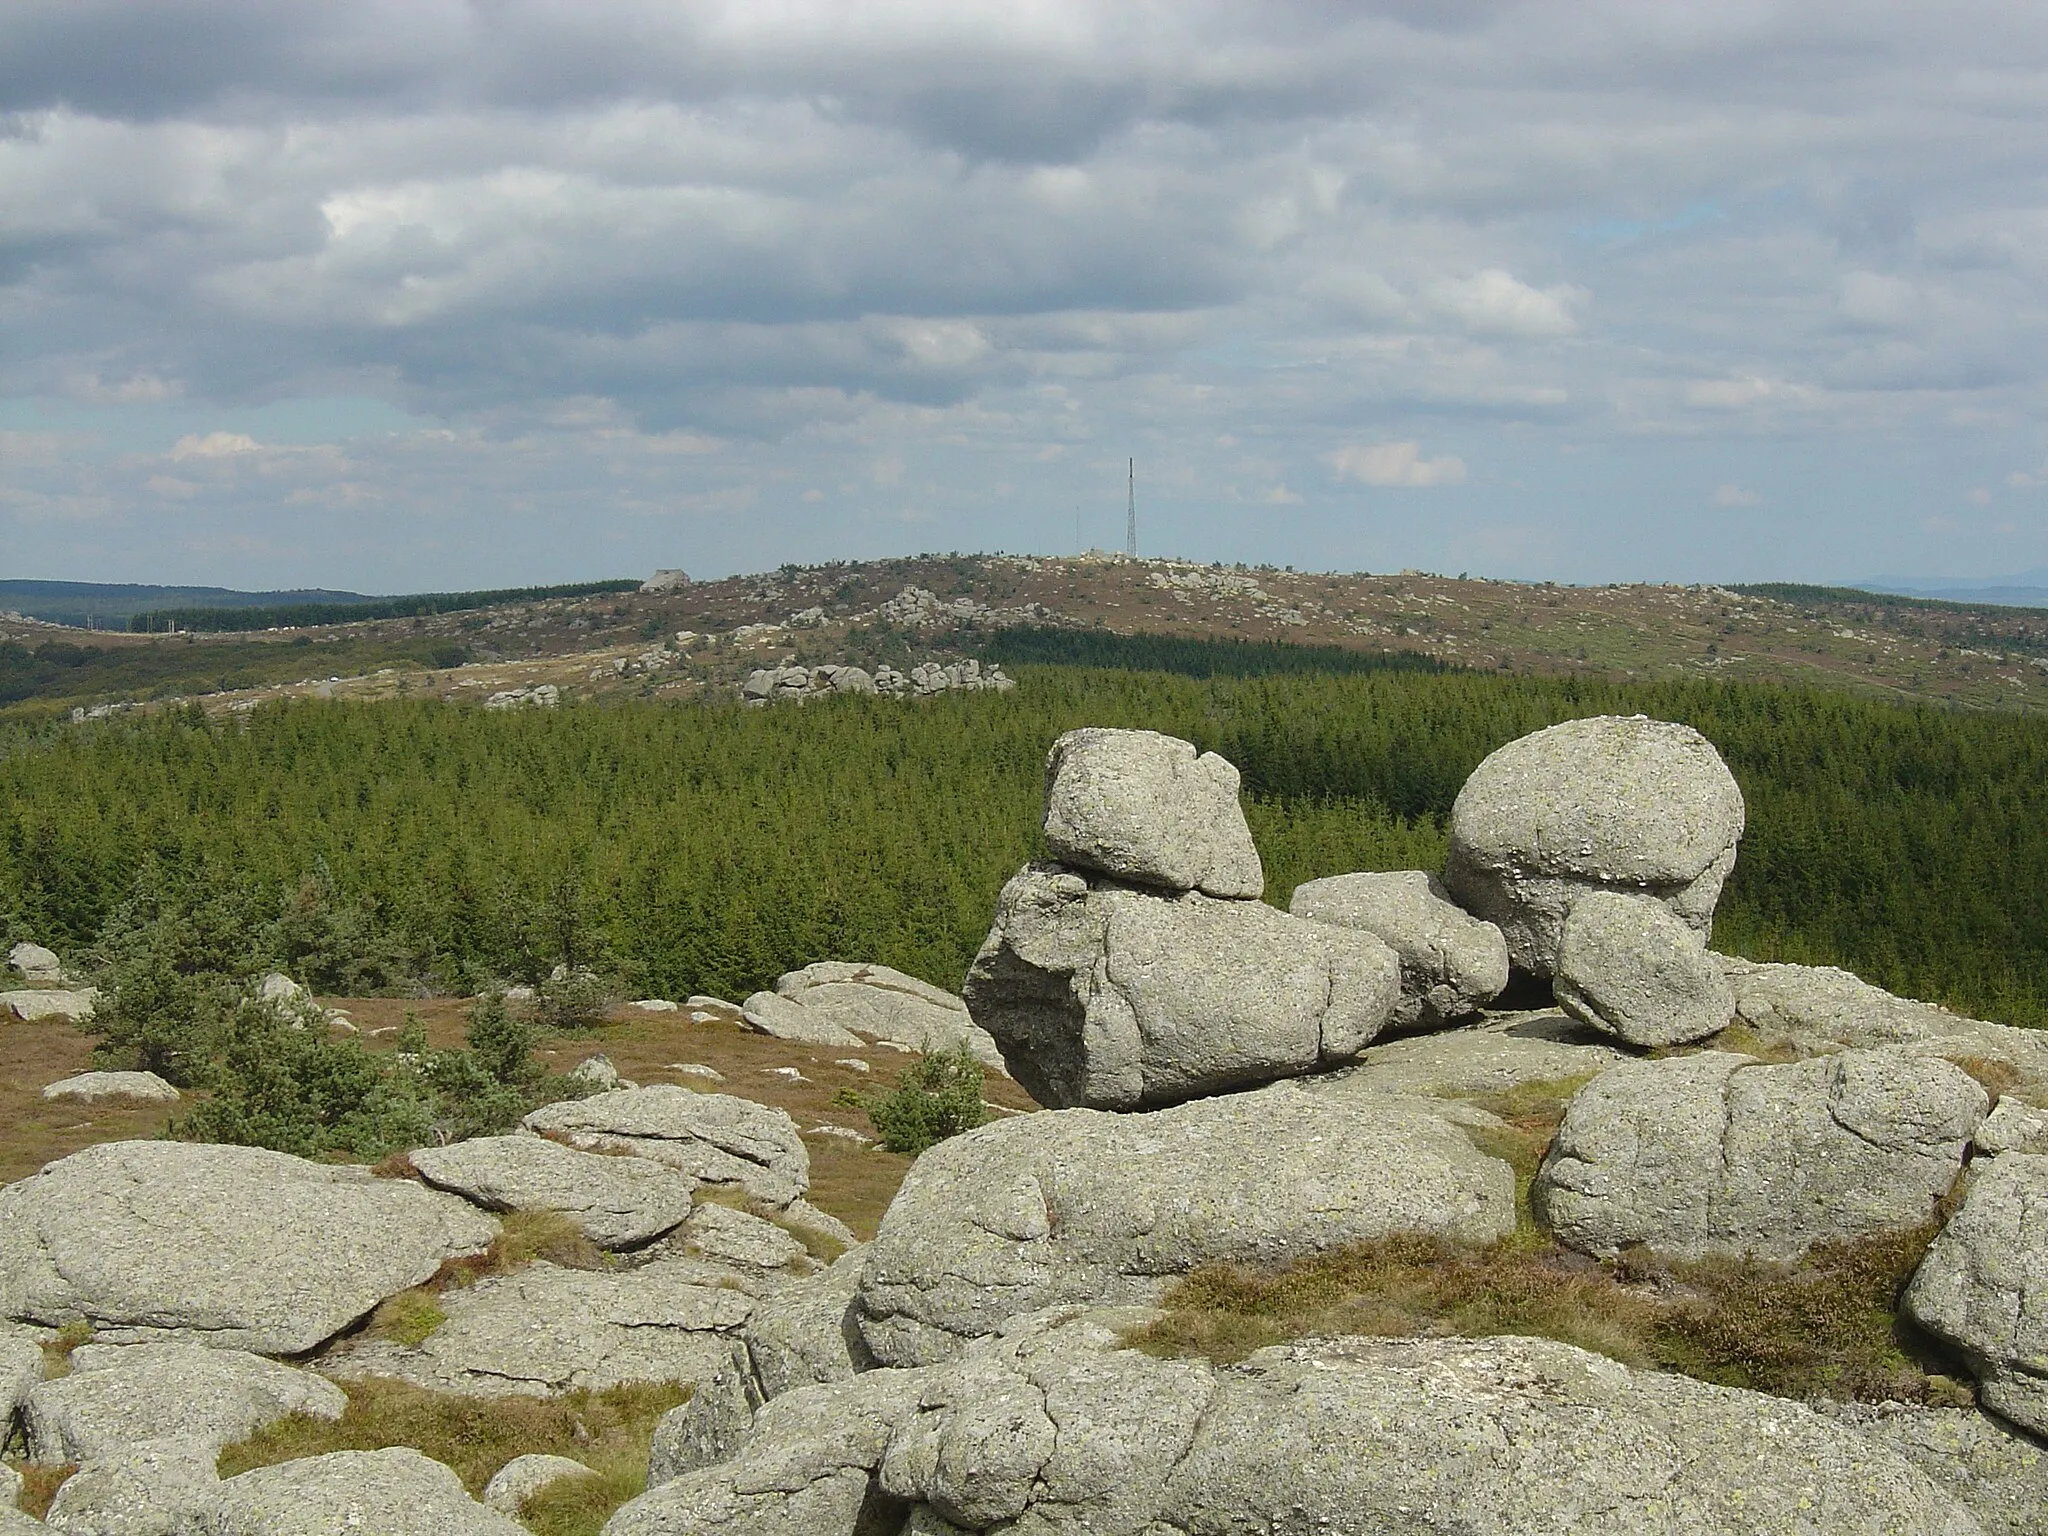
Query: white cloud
(1497, 303)
(214, 445)
(1728, 494)
(1395, 464)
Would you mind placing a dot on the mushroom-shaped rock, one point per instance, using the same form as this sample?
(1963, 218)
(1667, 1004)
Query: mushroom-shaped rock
(716, 1138)
(395, 1492)
(253, 1249)
(1149, 809)
(1609, 802)
(1451, 962)
(1983, 1285)
(1079, 1205)
(1631, 967)
(620, 1202)
(116, 1394)
(1718, 1154)
(1107, 997)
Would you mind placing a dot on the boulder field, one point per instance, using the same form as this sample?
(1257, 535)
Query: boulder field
(1226, 1083)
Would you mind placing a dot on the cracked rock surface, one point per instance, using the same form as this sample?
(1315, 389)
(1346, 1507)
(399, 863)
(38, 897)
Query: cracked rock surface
(1612, 802)
(1107, 997)
(1984, 1285)
(1716, 1153)
(619, 1202)
(1053, 1427)
(1451, 962)
(255, 1250)
(119, 1393)
(715, 1138)
(396, 1492)
(1080, 1205)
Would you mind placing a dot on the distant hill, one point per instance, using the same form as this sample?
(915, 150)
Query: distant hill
(109, 605)
(2028, 589)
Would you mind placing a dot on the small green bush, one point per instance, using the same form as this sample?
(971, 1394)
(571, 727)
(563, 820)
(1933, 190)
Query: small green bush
(937, 1097)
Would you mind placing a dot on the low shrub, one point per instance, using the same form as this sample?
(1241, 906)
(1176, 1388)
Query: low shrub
(938, 1096)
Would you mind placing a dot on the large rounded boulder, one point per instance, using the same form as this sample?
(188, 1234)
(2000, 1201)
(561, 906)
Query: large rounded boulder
(1607, 803)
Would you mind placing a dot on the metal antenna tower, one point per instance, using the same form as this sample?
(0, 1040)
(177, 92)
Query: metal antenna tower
(1131, 513)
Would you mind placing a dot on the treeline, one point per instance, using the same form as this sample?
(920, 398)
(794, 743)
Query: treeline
(1190, 657)
(418, 605)
(683, 849)
(63, 670)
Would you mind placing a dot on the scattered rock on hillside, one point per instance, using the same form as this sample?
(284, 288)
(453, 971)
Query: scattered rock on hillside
(716, 1138)
(770, 1013)
(35, 1004)
(621, 1202)
(1998, 1474)
(1146, 808)
(32, 962)
(524, 1476)
(144, 1087)
(249, 1248)
(1627, 965)
(1115, 998)
(544, 1329)
(395, 1492)
(116, 1394)
(1717, 1154)
(1984, 1285)
(595, 1074)
(1078, 1205)
(878, 1003)
(1610, 802)
(1054, 1427)
(161, 1486)
(281, 990)
(1451, 962)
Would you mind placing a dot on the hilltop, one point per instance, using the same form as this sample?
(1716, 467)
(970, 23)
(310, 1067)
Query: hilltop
(696, 639)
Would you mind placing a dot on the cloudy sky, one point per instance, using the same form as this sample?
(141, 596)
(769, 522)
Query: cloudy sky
(395, 294)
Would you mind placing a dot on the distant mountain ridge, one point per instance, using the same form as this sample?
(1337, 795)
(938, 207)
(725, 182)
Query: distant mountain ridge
(2027, 589)
(111, 604)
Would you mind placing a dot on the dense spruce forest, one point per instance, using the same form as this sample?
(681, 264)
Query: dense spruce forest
(678, 849)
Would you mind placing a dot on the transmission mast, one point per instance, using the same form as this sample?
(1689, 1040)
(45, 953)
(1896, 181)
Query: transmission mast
(1131, 513)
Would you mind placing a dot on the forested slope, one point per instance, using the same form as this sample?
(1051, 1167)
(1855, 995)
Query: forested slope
(708, 848)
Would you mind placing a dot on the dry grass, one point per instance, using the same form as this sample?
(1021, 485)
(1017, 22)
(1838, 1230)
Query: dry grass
(35, 1130)
(1824, 1327)
(1997, 1078)
(39, 1486)
(57, 1350)
(607, 1431)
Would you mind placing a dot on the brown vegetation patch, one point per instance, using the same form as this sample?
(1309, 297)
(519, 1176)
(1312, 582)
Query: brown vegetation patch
(35, 1130)
(1826, 1326)
(39, 1486)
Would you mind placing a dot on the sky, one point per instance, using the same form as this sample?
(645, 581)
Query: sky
(396, 295)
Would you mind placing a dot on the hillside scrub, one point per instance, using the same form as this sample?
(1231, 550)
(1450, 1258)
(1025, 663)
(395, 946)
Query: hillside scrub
(711, 848)
(938, 1096)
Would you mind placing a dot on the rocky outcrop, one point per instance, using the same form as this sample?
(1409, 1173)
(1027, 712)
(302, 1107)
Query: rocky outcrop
(142, 1087)
(21, 1367)
(1053, 1427)
(772, 685)
(395, 1492)
(1719, 1154)
(32, 962)
(620, 1202)
(1106, 996)
(1608, 803)
(838, 1002)
(810, 1333)
(1496, 1056)
(1085, 1206)
(543, 1330)
(1451, 962)
(247, 1248)
(35, 1004)
(116, 1394)
(1629, 966)
(1148, 810)
(524, 1476)
(162, 1486)
(716, 1138)
(1983, 1285)
(1995, 1472)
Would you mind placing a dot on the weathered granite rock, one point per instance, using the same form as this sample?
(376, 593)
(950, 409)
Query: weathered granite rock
(621, 1202)
(1984, 1285)
(1080, 1205)
(728, 1236)
(117, 1394)
(1998, 1474)
(21, 1367)
(595, 1073)
(1717, 1154)
(280, 989)
(1451, 962)
(874, 1002)
(810, 1333)
(1627, 965)
(544, 1329)
(252, 1249)
(716, 1138)
(709, 1427)
(32, 962)
(1051, 1427)
(2012, 1127)
(1147, 809)
(770, 1013)
(37, 1003)
(143, 1087)
(10, 1486)
(14, 1523)
(163, 1486)
(524, 1476)
(1610, 802)
(396, 1492)
(1114, 998)
(1500, 1054)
